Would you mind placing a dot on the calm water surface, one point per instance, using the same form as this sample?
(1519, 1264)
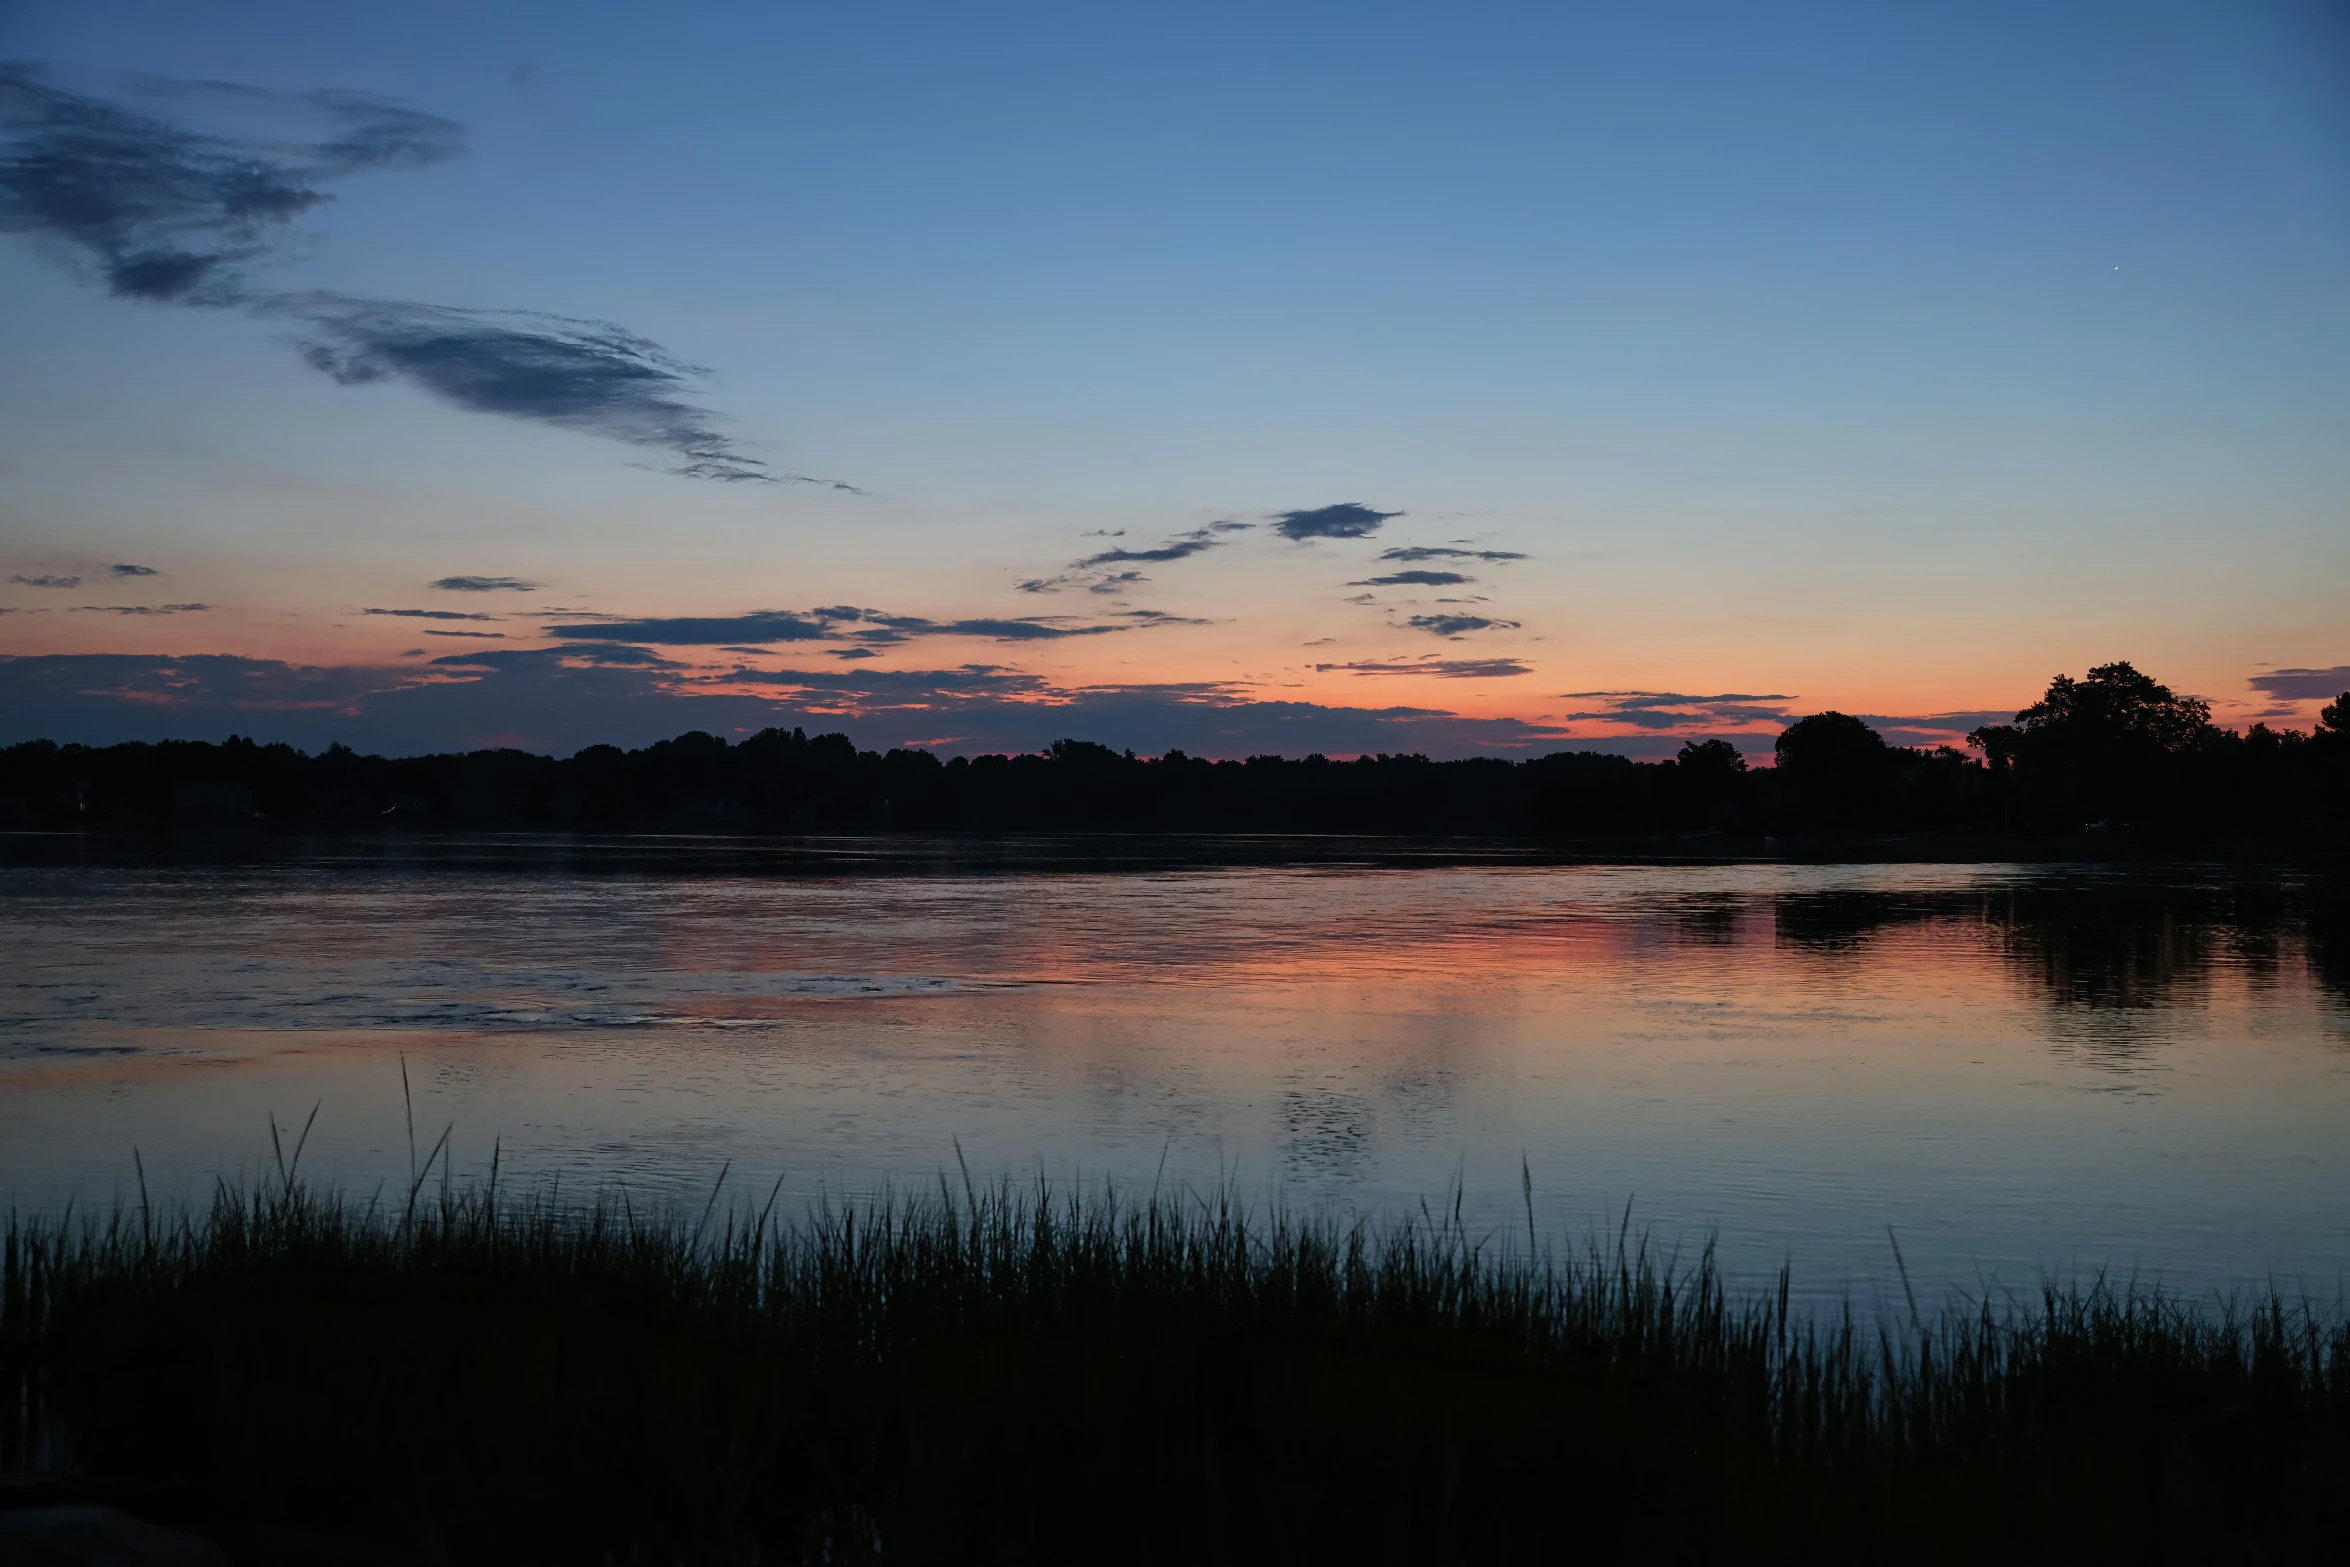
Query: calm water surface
(2019, 1071)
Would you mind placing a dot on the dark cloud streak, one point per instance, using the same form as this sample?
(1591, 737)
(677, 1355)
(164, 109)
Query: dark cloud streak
(1674, 699)
(485, 585)
(899, 685)
(1674, 710)
(1407, 554)
(1345, 520)
(1160, 617)
(586, 376)
(1181, 547)
(559, 658)
(699, 630)
(2303, 685)
(827, 623)
(1014, 630)
(426, 614)
(1442, 668)
(1457, 625)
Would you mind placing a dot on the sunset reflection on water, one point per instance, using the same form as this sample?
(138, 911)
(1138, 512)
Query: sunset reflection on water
(2017, 1070)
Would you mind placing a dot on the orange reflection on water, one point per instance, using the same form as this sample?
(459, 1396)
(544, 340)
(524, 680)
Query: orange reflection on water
(2015, 1068)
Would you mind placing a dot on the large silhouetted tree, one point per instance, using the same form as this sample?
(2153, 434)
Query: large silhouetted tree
(2109, 746)
(1830, 744)
(1833, 769)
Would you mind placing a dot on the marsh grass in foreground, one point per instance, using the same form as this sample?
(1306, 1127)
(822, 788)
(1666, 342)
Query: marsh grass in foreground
(1017, 1374)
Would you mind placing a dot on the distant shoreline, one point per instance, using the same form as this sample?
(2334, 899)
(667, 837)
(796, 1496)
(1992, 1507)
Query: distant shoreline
(1016, 851)
(2115, 765)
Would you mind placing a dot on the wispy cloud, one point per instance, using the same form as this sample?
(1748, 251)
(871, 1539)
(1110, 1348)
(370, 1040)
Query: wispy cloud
(588, 376)
(427, 614)
(1034, 629)
(1417, 552)
(1089, 571)
(125, 569)
(1674, 699)
(1160, 617)
(2302, 685)
(899, 685)
(47, 582)
(699, 630)
(558, 657)
(1443, 668)
(1181, 547)
(848, 622)
(168, 213)
(485, 585)
(1418, 579)
(1345, 520)
(144, 609)
(1458, 625)
(1660, 710)
(489, 636)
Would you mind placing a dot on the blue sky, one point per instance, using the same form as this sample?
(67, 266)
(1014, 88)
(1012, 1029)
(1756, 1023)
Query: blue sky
(1882, 357)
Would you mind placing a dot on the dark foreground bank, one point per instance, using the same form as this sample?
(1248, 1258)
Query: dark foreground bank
(1013, 1376)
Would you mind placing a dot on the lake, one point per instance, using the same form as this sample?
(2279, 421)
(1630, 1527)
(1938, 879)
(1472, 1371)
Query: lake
(2017, 1071)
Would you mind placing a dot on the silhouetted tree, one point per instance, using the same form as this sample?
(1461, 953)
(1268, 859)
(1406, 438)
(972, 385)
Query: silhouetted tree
(1713, 783)
(1716, 761)
(1833, 770)
(2104, 747)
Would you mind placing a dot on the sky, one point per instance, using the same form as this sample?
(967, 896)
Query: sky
(1467, 379)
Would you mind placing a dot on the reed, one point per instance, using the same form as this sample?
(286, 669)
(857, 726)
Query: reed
(1014, 1373)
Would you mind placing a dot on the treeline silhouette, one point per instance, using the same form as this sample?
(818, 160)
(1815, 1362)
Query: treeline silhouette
(2113, 750)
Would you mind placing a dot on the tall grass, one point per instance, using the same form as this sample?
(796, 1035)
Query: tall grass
(1019, 1374)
